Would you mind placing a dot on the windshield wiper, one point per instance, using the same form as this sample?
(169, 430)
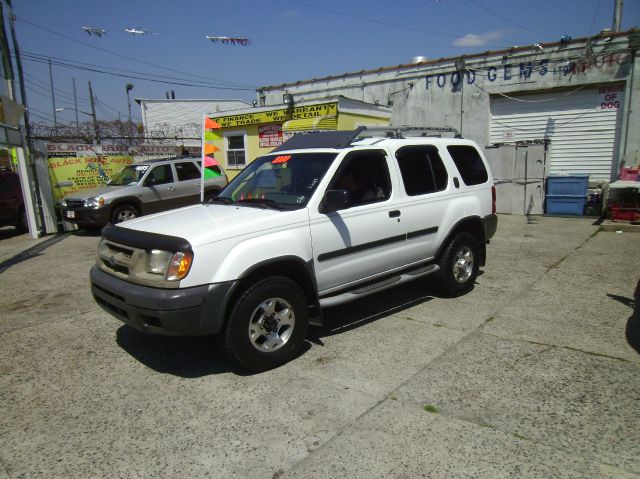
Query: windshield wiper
(261, 201)
(220, 199)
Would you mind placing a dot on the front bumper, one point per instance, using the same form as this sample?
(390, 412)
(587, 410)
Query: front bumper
(173, 312)
(86, 216)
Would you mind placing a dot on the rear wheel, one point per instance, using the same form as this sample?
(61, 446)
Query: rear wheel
(459, 265)
(268, 324)
(124, 213)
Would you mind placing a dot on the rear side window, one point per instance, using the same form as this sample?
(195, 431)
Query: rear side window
(469, 164)
(187, 170)
(422, 169)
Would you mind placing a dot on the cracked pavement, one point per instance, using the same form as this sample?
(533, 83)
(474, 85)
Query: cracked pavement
(535, 373)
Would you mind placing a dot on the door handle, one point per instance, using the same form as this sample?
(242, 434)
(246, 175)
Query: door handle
(394, 214)
(171, 188)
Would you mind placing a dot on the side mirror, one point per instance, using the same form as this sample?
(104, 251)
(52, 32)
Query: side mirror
(335, 200)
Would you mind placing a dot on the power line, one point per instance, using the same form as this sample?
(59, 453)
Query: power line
(372, 20)
(76, 62)
(35, 85)
(508, 20)
(63, 92)
(109, 107)
(119, 54)
(137, 77)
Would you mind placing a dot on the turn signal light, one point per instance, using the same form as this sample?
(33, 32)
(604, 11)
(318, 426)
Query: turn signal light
(179, 266)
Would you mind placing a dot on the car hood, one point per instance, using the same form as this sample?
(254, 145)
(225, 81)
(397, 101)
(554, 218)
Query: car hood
(99, 191)
(202, 224)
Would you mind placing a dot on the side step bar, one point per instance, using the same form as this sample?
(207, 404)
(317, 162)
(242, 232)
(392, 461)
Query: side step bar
(376, 287)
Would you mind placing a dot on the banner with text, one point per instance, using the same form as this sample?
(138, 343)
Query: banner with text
(75, 167)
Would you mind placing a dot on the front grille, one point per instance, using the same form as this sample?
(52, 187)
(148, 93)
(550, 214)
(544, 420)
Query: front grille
(74, 203)
(117, 258)
(118, 249)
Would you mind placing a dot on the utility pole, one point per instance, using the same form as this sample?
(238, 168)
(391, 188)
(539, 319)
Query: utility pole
(75, 102)
(617, 16)
(53, 98)
(93, 114)
(27, 125)
(128, 87)
(6, 56)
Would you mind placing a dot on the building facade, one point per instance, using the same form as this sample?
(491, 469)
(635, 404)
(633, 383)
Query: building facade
(248, 133)
(579, 97)
(178, 122)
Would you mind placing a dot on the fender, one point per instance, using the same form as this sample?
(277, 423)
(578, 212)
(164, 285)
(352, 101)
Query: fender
(472, 224)
(128, 200)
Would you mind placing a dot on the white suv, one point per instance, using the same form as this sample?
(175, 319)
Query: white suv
(327, 218)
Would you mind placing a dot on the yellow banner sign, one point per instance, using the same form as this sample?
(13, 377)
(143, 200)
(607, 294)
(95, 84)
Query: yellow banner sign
(275, 116)
(71, 174)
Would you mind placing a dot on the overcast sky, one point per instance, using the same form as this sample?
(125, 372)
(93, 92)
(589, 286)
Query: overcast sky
(290, 40)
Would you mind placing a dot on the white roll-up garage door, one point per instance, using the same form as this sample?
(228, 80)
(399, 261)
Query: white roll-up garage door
(582, 124)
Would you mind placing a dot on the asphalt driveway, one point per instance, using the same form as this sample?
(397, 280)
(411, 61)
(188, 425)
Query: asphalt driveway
(535, 373)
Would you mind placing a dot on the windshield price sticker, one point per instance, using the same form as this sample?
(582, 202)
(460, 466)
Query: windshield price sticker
(281, 159)
(141, 167)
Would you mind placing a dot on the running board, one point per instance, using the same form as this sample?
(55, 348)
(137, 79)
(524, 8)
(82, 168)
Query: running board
(376, 287)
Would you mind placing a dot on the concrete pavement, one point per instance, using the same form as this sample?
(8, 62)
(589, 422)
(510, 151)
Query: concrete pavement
(535, 373)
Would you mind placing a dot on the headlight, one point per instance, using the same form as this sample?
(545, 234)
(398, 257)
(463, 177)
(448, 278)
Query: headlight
(63, 203)
(96, 202)
(173, 266)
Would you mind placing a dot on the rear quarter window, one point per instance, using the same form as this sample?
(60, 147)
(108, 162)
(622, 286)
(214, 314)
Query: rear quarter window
(422, 169)
(469, 164)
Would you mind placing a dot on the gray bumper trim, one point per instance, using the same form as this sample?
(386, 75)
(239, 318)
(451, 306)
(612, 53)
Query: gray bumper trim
(177, 312)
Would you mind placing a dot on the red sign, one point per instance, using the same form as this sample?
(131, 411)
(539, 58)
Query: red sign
(269, 136)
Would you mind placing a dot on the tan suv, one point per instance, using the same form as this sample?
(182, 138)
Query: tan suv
(143, 188)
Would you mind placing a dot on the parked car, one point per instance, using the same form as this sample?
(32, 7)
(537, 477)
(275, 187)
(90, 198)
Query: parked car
(325, 219)
(12, 212)
(140, 189)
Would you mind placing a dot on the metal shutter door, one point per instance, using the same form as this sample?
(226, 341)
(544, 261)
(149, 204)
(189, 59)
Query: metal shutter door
(584, 133)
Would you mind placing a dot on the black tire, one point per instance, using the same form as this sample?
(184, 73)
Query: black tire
(124, 212)
(459, 265)
(252, 338)
(22, 226)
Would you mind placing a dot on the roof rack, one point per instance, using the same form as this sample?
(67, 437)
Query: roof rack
(407, 131)
(344, 138)
(320, 139)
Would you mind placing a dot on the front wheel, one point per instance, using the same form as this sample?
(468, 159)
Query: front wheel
(268, 324)
(459, 265)
(123, 213)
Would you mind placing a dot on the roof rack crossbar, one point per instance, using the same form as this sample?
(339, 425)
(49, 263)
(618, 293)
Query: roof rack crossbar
(344, 138)
(405, 131)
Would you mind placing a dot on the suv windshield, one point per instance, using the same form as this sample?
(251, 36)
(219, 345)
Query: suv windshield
(129, 175)
(284, 181)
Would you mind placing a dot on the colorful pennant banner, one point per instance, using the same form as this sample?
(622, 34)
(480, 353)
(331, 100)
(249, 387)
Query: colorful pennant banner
(210, 166)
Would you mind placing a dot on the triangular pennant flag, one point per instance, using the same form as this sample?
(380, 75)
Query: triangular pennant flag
(208, 161)
(210, 124)
(211, 136)
(209, 148)
(211, 174)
